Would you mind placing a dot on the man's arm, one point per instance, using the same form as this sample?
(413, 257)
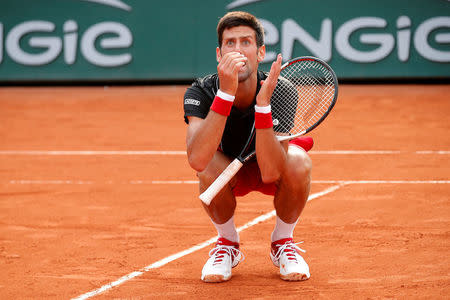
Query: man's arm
(204, 136)
(270, 153)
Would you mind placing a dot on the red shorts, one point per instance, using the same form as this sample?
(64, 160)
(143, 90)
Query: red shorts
(249, 176)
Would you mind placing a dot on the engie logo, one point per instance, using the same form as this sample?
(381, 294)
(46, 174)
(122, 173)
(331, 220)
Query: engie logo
(430, 38)
(386, 42)
(43, 49)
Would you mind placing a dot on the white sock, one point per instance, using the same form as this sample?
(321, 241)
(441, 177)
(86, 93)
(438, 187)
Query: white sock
(228, 230)
(283, 230)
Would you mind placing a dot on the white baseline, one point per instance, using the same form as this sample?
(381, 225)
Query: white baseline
(176, 152)
(175, 182)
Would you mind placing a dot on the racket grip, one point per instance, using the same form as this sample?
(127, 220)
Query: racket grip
(220, 181)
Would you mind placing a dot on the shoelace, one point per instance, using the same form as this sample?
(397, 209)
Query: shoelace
(290, 249)
(221, 250)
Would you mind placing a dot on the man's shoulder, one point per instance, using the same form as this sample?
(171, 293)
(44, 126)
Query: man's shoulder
(207, 85)
(207, 81)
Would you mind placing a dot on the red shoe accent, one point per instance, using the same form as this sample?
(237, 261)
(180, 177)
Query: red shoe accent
(305, 142)
(225, 242)
(220, 252)
(276, 245)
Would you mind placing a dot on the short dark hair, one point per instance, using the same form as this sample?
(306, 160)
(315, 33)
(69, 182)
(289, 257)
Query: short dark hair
(240, 18)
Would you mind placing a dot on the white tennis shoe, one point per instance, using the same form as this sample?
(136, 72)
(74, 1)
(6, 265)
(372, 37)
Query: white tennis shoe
(222, 258)
(285, 254)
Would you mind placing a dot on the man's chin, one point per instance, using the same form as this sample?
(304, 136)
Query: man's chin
(243, 76)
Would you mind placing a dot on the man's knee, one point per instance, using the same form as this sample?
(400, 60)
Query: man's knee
(207, 176)
(298, 167)
(215, 167)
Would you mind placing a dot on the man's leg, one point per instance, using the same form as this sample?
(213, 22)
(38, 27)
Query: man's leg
(294, 185)
(222, 207)
(290, 199)
(226, 253)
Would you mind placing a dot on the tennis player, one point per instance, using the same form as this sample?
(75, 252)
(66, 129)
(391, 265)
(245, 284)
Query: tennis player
(220, 110)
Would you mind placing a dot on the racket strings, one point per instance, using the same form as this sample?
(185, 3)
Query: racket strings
(310, 92)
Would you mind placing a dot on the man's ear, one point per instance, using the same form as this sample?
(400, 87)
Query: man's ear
(261, 53)
(218, 54)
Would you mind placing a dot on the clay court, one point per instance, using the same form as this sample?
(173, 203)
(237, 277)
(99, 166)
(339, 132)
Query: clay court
(97, 199)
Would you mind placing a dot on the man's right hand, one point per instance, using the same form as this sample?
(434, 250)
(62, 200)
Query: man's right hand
(228, 71)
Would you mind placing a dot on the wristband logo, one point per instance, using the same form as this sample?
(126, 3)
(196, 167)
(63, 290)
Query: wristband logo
(31, 43)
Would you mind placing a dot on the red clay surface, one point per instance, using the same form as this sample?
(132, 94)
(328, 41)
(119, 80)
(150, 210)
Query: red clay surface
(70, 224)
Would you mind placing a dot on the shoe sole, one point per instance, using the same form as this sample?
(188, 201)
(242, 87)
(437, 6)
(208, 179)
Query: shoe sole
(215, 278)
(294, 277)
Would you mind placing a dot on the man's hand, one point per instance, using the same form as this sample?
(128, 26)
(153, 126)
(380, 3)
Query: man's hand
(228, 70)
(268, 85)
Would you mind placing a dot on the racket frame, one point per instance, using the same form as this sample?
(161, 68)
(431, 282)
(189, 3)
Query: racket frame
(333, 102)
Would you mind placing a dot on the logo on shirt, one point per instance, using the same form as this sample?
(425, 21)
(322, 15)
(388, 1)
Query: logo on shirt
(192, 102)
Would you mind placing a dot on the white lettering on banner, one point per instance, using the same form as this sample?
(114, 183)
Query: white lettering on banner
(70, 41)
(53, 44)
(403, 38)
(292, 32)
(113, 3)
(122, 39)
(421, 39)
(385, 40)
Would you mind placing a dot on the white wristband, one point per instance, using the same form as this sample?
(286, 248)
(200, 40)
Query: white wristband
(225, 96)
(263, 109)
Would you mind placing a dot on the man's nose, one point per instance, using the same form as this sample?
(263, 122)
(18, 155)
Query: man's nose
(238, 47)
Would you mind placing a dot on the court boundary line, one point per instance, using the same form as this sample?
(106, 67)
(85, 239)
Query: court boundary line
(193, 249)
(176, 152)
(174, 182)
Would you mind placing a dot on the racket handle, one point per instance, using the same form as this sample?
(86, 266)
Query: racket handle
(220, 181)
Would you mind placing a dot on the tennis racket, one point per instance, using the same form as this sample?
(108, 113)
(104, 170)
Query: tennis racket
(306, 92)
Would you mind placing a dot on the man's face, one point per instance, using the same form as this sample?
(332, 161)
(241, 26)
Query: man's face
(242, 39)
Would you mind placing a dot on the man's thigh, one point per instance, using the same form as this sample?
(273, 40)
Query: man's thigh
(249, 179)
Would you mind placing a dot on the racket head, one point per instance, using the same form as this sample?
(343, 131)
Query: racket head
(306, 92)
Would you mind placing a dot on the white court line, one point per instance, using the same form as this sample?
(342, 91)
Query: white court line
(164, 182)
(195, 248)
(343, 182)
(346, 182)
(77, 182)
(87, 152)
(356, 152)
(123, 152)
(174, 182)
(432, 152)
